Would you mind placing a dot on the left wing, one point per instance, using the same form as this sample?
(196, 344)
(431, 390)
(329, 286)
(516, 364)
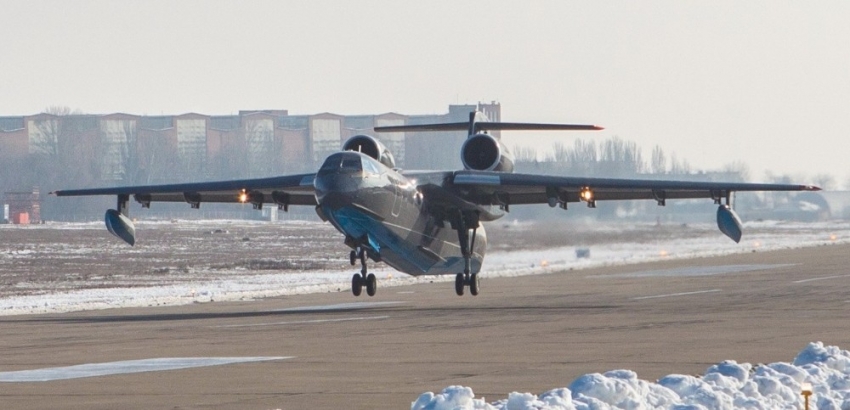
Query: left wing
(534, 189)
(468, 190)
(283, 191)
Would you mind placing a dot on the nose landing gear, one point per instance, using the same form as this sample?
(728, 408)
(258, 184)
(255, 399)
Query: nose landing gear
(359, 280)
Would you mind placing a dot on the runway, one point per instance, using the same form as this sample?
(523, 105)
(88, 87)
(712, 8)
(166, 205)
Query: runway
(522, 334)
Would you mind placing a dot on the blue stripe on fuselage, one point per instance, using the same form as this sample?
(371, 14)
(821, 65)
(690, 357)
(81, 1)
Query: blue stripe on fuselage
(394, 250)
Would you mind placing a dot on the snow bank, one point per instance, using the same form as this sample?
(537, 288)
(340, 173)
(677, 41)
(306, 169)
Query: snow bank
(726, 385)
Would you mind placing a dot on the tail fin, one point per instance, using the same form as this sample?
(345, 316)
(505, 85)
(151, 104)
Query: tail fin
(474, 126)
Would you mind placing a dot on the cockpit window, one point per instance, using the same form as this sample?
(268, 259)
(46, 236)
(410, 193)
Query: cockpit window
(330, 164)
(342, 163)
(371, 167)
(351, 164)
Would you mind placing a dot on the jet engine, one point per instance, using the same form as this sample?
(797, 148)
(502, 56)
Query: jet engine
(483, 152)
(371, 147)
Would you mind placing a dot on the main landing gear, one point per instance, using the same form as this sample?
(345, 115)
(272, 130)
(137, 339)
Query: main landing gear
(463, 223)
(359, 280)
(463, 280)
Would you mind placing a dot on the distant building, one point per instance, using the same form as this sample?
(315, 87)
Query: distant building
(129, 148)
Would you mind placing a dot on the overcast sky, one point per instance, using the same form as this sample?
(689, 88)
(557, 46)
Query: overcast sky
(764, 82)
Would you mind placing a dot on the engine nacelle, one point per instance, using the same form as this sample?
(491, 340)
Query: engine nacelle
(483, 152)
(371, 147)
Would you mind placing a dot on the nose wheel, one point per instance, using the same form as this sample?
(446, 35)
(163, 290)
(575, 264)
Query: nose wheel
(462, 280)
(362, 279)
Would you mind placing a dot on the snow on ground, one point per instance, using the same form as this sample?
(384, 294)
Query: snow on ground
(726, 385)
(234, 285)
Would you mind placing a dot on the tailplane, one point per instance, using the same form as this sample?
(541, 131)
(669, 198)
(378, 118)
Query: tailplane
(478, 122)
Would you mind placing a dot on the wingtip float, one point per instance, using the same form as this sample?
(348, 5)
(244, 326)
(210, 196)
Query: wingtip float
(120, 226)
(729, 223)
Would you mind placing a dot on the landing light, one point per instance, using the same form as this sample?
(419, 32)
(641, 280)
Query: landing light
(586, 195)
(243, 196)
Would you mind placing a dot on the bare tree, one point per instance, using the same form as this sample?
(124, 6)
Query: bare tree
(583, 158)
(658, 164)
(679, 168)
(230, 162)
(778, 197)
(826, 181)
(621, 158)
(559, 153)
(264, 150)
(62, 143)
(523, 154)
(736, 171)
(158, 160)
(130, 153)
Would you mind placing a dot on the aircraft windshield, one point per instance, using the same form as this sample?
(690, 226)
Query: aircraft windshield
(371, 167)
(343, 163)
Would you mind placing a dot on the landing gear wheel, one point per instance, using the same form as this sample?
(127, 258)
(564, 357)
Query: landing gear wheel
(460, 283)
(357, 284)
(371, 284)
(474, 284)
(353, 257)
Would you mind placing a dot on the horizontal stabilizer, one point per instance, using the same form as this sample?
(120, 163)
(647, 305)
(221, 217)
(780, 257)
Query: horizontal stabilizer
(495, 126)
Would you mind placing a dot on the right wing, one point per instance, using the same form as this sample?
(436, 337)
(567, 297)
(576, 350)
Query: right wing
(283, 191)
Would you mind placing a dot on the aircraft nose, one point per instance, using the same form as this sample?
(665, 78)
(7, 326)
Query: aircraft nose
(335, 189)
(338, 179)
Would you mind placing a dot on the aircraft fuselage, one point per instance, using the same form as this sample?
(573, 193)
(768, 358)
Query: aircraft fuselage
(381, 210)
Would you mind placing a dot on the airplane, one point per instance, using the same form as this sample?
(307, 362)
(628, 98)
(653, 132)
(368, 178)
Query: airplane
(424, 222)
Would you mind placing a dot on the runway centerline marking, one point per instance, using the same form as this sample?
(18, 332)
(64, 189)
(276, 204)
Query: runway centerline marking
(306, 322)
(677, 294)
(821, 278)
(124, 367)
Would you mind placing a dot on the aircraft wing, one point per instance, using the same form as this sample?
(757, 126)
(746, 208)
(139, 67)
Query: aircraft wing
(284, 191)
(483, 187)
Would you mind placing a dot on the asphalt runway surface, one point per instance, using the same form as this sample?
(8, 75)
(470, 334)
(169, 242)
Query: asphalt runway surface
(527, 334)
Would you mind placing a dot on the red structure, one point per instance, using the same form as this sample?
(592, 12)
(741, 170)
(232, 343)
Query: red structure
(24, 207)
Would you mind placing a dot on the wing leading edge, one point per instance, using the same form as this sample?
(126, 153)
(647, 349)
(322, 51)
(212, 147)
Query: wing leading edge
(284, 191)
(539, 189)
(492, 188)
